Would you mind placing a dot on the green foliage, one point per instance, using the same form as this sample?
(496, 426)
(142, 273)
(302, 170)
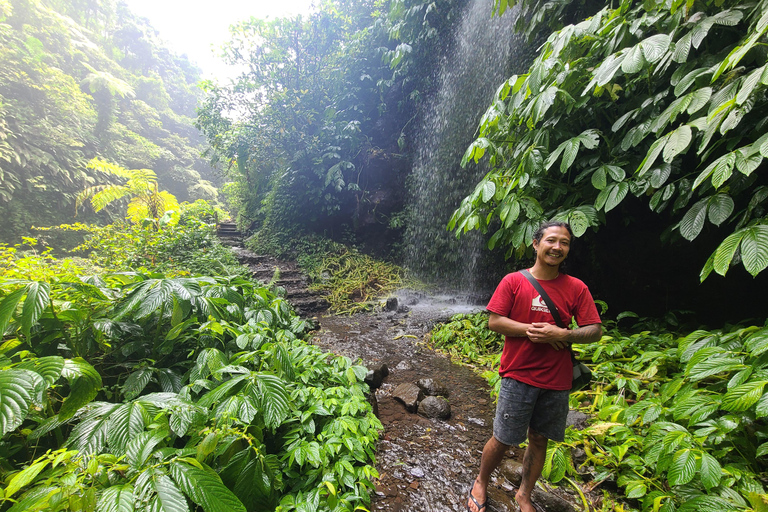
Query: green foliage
(643, 101)
(678, 422)
(184, 243)
(137, 390)
(146, 200)
(325, 133)
(467, 339)
(67, 96)
(353, 280)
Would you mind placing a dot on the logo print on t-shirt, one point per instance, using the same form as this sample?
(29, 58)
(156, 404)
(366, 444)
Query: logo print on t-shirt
(539, 305)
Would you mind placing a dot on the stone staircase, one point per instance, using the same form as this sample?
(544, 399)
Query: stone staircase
(287, 275)
(228, 234)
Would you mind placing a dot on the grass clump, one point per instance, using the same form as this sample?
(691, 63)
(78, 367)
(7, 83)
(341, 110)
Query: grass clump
(352, 280)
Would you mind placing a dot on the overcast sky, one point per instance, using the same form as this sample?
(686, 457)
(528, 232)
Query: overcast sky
(195, 26)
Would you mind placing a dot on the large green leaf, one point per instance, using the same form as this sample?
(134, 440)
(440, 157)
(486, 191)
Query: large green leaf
(24, 477)
(713, 365)
(90, 435)
(744, 396)
(271, 394)
(616, 192)
(711, 472)
(136, 382)
(683, 467)
(633, 61)
(140, 447)
(84, 385)
(719, 208)
(693, 221)
(118, 498)
(677, 142)
(125, 423)
(655, 47)
(754, 249)
(205, 488)
(8, 307)
(220, 391)
(699, 98)
(19, 389)
(169, 497)
(38, 297)
(653, 153)
(49, 367)
(488, 191)
(725, 252)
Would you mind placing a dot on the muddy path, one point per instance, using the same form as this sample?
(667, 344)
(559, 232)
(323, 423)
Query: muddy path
(425, 464)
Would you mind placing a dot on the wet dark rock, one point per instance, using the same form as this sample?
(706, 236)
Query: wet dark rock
(376, 376)
(403, 309)
(374, 403)
(391, 304)
(550, 502)
(409, 394)
(577, 420)
(403, 366)
(512, 470)
(431, 387)
(435, 407)
(578, 456)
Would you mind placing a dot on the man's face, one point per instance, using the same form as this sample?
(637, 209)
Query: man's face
(553, 247)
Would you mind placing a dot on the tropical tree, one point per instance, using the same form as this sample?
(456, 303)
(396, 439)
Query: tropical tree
(146, 200)
(664, 102)
(298, 128)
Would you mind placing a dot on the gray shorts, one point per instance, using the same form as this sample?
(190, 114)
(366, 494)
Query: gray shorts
(521, 405)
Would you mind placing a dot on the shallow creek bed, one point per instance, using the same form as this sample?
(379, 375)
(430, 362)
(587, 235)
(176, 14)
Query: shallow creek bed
(427, 464)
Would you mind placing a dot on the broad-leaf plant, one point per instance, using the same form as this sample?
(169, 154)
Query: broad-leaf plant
(657, 101)
(134, 390)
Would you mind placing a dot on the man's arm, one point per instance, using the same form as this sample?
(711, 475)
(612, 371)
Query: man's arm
(586, 334)
(507, 326)
(540, 332)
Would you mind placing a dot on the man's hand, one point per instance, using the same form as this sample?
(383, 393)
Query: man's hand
(542, 332)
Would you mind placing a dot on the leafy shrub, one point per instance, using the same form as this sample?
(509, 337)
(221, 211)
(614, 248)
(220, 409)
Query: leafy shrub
(186, 244)
(467, 339)
(679, 422)
(135, 390)
(353, 280)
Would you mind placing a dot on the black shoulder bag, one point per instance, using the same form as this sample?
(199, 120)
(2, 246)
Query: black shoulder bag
(582, 375)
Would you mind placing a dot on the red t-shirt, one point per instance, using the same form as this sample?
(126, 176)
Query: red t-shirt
(540, 364)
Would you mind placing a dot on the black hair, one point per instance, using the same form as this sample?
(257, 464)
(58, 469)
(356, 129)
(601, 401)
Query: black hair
(551, 224)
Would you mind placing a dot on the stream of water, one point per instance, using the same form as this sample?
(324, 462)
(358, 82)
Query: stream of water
(485, 52)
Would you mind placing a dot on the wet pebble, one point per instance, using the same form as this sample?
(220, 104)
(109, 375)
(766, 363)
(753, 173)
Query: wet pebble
(417, 472)
(403, 366)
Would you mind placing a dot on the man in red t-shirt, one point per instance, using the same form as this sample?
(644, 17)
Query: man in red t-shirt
(536, 365)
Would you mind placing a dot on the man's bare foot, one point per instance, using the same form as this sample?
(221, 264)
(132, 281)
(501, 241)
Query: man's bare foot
(524, 502)
(476, 500)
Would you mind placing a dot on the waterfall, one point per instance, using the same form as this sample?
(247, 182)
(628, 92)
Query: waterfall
(485, 53)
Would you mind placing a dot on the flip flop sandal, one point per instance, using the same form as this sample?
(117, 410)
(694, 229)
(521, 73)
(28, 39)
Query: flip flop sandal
(477, 504)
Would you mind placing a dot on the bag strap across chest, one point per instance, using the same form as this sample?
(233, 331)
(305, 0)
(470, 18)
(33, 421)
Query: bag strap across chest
(551, 305)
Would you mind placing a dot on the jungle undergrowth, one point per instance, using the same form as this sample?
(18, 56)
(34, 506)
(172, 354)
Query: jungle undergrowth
(677, 419)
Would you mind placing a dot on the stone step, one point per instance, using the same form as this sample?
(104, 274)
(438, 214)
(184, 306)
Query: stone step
(301, 294)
